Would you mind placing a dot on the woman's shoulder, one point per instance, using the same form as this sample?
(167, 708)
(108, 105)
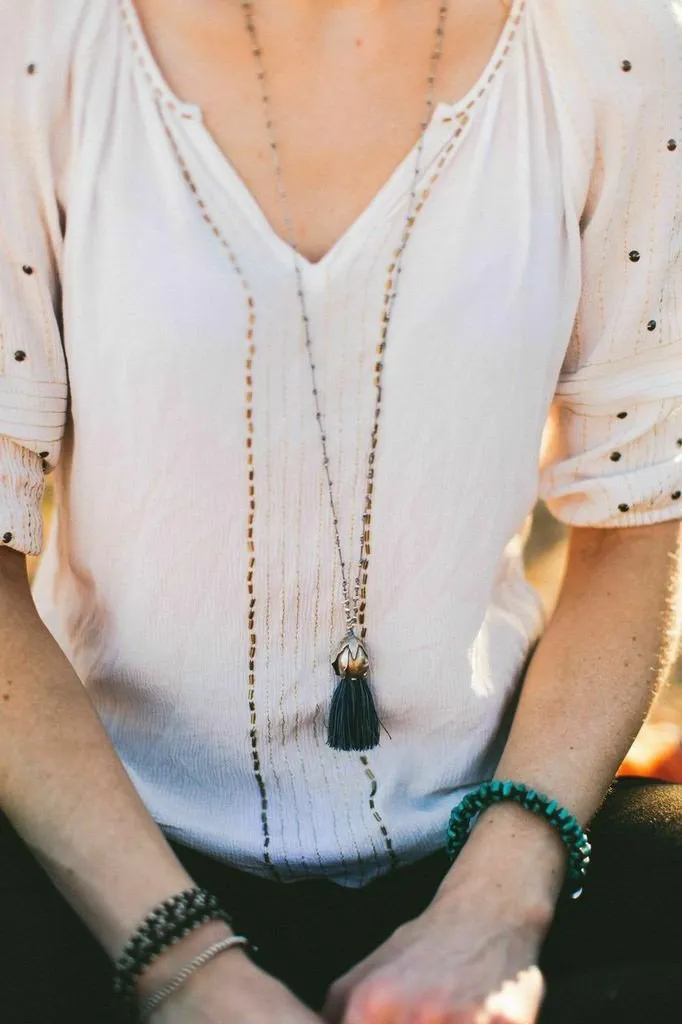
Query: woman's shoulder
(599, 31)
(29, 24)
(45, 39)
(610, 55)
(47, 48)
(620, 13)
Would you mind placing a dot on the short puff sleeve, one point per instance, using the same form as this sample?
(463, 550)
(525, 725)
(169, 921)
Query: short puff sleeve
(614, 451)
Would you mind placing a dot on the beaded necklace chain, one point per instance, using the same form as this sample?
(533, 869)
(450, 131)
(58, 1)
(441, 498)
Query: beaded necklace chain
(353, 719)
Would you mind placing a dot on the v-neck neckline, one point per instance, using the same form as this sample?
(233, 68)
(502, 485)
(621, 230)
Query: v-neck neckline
(394, 188)
(447, 120)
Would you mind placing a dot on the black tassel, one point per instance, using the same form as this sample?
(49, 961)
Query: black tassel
(353, 718)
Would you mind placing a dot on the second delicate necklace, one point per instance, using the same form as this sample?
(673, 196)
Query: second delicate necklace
(353, 719)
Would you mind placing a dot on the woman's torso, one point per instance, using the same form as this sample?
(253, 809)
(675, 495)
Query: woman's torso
(145, 578)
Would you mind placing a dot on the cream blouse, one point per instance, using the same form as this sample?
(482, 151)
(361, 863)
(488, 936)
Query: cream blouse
(542, 286)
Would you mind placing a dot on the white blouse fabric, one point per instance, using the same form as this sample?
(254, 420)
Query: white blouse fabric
(542, 286)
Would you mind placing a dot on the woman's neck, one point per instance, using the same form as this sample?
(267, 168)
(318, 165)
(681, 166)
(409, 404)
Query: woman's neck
(347, 81)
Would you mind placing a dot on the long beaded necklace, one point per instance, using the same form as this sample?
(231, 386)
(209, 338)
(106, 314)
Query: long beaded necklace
(353, 720)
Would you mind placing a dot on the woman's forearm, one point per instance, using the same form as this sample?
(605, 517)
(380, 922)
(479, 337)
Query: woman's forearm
(586, 693)
(62, 785)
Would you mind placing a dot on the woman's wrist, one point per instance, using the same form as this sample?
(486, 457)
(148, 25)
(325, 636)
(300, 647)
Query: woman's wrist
(167, 964)
(514, 861)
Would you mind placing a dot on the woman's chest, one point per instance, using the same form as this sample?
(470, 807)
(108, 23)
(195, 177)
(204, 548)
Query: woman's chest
(345, 93)
(183, 327)
(169, 279)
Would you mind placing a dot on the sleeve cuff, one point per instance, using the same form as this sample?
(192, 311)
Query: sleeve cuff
(22, 483)
(32, 411)
(592, 516)
(611, 469)
(649, 495)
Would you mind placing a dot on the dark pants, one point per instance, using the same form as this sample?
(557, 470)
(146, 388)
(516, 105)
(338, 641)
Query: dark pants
(614, 955)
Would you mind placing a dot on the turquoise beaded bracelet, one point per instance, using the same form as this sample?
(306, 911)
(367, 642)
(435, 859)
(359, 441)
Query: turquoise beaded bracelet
(564, 822)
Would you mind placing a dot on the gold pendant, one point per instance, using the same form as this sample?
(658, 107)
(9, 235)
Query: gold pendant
(351, 660)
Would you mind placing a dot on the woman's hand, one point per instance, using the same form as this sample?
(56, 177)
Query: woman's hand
(232, 990)
(471, 957)
(458, 963)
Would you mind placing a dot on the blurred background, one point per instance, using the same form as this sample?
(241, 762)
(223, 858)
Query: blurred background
(657, 750)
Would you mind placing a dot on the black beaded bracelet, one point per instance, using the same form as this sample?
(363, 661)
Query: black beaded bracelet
(574, 838)
(165, 925)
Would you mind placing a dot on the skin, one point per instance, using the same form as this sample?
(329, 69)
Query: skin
(379, 51)
(469, 958)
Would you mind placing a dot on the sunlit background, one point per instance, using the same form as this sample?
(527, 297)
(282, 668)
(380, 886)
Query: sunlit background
(658, 748)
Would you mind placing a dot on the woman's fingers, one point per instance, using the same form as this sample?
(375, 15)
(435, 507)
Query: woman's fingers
(341, 990)
(380, 1001)
(336, 1001)
(442, 968)
(517, 1001)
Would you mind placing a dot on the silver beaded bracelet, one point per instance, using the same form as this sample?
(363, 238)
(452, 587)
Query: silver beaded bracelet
(156, 998)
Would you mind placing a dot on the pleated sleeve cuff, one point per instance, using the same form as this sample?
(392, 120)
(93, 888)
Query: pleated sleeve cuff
(22, 484)
(619, 467)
